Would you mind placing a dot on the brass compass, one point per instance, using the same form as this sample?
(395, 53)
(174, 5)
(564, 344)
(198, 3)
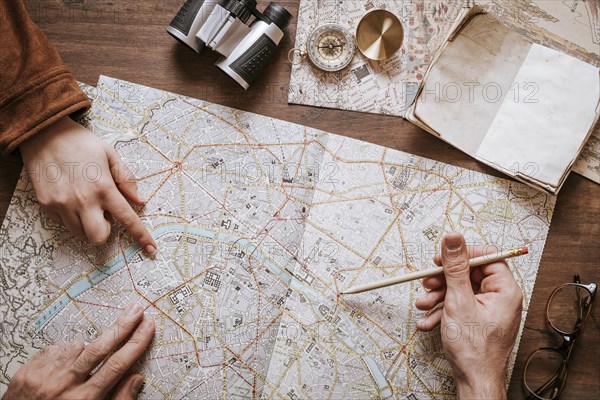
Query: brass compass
(330, 47)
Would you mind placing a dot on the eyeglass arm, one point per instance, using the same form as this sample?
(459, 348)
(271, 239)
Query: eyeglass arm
(556, 382)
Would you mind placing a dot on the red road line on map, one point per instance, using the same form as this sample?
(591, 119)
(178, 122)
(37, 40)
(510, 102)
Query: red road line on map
(143, 178)
(92, 304)
(240, 375)
(258, 315)
(153, 304)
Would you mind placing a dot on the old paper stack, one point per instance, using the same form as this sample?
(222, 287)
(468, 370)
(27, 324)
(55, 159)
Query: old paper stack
(519, 107)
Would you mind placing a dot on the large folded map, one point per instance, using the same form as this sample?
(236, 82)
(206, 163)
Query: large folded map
(260, 224)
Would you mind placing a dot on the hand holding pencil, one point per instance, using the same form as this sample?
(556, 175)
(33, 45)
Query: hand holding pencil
(473, 262)
(478, 311)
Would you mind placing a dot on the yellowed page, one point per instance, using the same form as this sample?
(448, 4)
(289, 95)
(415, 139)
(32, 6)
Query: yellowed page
(466, 86)
(539, 132)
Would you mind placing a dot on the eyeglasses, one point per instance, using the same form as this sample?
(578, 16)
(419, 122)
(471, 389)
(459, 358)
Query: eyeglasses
(568, 306)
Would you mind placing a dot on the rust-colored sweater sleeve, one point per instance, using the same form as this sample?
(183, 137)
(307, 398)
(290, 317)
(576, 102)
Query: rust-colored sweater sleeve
(36, 89)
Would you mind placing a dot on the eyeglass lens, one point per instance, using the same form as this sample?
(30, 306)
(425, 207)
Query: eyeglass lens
(568, 307)
(545, 373)
(546, 369)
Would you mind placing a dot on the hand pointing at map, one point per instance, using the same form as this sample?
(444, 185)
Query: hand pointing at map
(81, 182)
(63, 372)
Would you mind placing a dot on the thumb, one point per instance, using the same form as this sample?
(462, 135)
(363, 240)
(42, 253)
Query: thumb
(455, 260)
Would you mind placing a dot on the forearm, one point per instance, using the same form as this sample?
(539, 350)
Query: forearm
(492, 387)
(36, 89)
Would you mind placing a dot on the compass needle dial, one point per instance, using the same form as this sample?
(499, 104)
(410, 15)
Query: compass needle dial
(330, 47)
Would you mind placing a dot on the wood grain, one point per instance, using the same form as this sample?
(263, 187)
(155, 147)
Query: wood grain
(127, 40)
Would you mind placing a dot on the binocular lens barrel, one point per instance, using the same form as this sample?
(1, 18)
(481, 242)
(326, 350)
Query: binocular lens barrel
(222, 25)
(278, 15)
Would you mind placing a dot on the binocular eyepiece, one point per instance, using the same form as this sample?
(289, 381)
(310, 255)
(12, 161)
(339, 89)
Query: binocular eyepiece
(222, 25)
(241, 9)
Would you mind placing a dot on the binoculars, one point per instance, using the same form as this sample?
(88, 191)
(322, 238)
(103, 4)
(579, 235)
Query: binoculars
(222, 25)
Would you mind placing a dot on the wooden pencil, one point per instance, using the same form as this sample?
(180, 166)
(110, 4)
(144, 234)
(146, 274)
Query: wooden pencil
(474, 262)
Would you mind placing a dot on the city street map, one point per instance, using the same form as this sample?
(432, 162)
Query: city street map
(379, 87)
(389, 86)
(260, 224)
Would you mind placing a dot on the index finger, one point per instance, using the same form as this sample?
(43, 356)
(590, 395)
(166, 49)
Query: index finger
(495, 276)
(123, 176)
(122, 211)
(97, 351)
(117, 365)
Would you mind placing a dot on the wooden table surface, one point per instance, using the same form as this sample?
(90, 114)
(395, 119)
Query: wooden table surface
(127, 40)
